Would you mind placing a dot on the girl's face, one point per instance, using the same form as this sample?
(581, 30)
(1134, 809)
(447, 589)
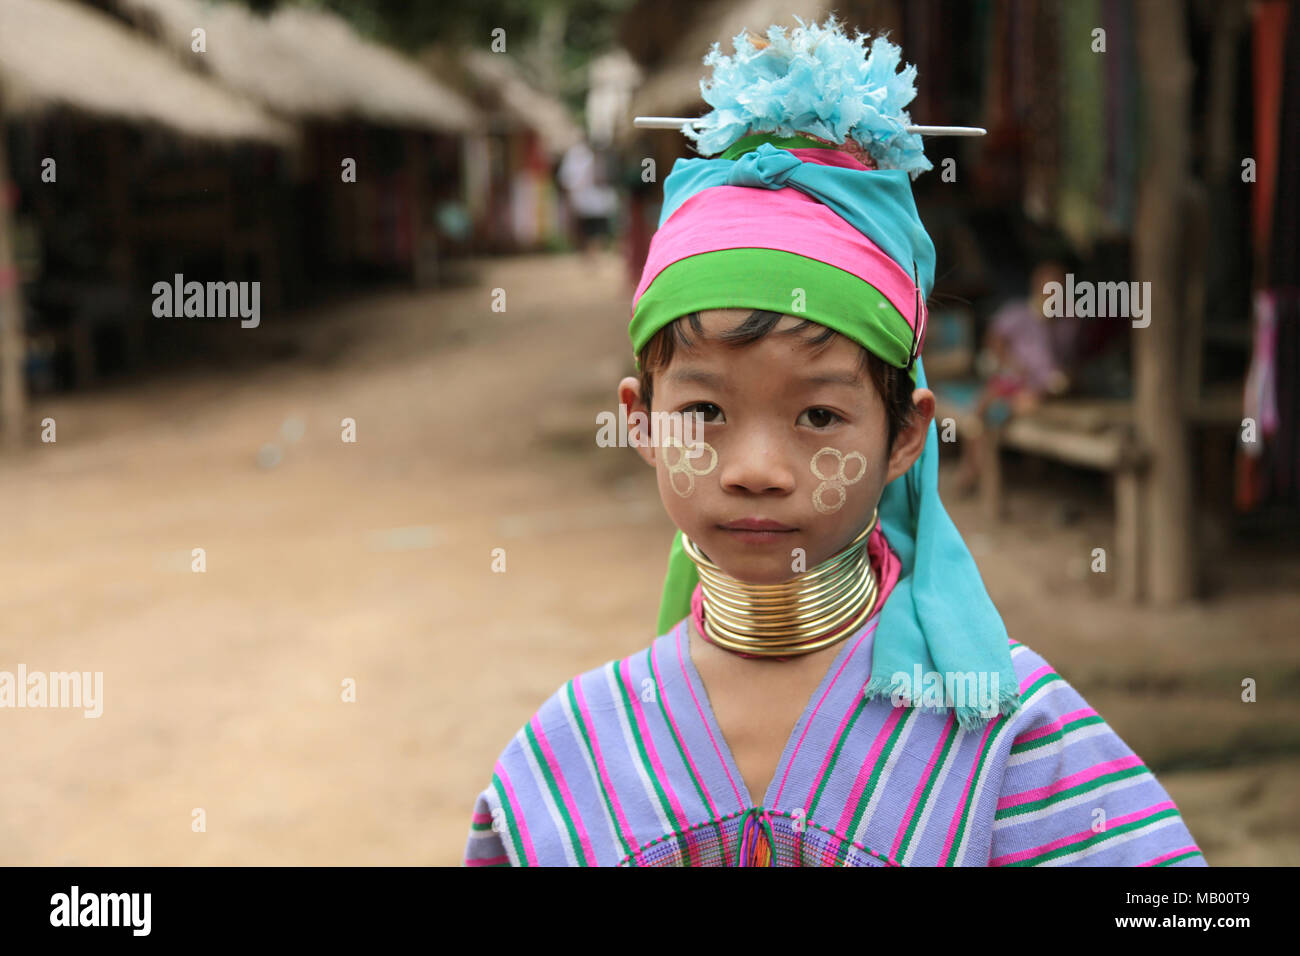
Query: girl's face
(794, 456)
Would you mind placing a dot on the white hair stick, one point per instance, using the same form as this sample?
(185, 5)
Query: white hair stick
(677, 122)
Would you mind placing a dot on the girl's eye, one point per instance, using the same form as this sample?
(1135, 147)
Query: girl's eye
(710, 413)
(819, 417)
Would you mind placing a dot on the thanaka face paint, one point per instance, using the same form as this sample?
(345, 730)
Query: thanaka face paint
(683, 467)
(836, 482)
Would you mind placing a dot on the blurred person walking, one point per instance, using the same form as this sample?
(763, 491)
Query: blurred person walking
(592, 200)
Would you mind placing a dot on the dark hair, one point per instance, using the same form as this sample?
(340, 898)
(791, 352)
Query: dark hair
(893, 384)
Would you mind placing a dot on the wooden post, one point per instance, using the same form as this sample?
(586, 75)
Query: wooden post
(1128, 534)
(1166, 72)
(13, 391)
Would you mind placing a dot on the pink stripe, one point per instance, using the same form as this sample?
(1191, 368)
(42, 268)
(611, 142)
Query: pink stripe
(920, 784)
(1172, 853)
(740, 800)
(830, 752)
(1055, 725)
(481, 818)
(639, 712)
(488, 861)
(827, 157)
(742, 217)
(1081, 835)
(584, 714)
(1029, 681)
(864, 772)
(813, 716)
(1056, 786)
(663, 700)
(970, 783)
(563, 784)
(530, 855)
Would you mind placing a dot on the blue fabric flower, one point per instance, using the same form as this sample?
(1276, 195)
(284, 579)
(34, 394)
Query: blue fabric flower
(816, 80)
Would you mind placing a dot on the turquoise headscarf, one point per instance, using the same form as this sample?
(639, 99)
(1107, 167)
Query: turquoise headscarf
(938, 618)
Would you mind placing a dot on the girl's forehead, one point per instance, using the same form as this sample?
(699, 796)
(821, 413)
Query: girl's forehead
(724, 319)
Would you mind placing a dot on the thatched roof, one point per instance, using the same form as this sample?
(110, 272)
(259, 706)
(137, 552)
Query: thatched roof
(672, 87)
(57, 53)
(523, 103)
(303, 63)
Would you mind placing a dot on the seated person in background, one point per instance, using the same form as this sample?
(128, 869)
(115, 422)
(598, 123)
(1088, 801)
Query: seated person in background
(1026, 358)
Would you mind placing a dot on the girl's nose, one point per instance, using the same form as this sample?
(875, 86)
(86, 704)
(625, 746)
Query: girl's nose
(756, 464)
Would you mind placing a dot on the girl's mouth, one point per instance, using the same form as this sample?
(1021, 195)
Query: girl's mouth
(757, 530)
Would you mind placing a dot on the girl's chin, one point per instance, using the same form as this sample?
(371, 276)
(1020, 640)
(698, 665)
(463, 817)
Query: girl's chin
(770, 569)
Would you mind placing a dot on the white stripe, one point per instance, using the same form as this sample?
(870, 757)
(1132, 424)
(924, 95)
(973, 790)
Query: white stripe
(1117, 841)
(498, 802)
(928, 809)
(591, 768)
(883, 782)
(540, 782)
(628, 741)
(1042, 812)
(1054, 748)
(1008, 728)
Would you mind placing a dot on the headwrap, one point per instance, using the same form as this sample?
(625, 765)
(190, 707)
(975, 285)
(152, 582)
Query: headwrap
(788, 224)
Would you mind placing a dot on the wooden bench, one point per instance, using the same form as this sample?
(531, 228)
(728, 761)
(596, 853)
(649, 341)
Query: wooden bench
(1097, 434)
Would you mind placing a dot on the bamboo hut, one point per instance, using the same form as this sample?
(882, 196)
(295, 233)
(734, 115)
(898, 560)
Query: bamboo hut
(76, 84)
(354, 100)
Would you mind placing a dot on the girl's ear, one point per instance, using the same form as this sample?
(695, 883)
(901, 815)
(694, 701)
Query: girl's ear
(637, 416)
(910, 442)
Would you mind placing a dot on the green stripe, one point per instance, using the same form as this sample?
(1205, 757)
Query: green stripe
(835, 756)
(480, 827)
(1178, 859)
(511, 825)
(1056, 734)
(870, 788)
(681, 749)
(1098, 838)
(591, 752)
(645, 758)
(748, 143)
(1070, 792)
(1039, 684)
(974, 786)
(553, 786)
(929, 787)
(1005, 720)
(750, 278)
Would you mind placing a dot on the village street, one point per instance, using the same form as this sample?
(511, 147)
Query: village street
(371, 561)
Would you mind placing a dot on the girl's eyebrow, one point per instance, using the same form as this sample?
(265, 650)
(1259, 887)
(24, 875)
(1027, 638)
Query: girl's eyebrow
(697, 376)
(832, 378)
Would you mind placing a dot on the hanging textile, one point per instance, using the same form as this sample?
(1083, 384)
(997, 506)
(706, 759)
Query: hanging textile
(1083, 156)
(1043, 119)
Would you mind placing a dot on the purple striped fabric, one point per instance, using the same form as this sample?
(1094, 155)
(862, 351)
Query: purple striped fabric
(625, 765)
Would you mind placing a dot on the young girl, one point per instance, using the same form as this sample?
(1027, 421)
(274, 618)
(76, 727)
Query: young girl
(831, 685)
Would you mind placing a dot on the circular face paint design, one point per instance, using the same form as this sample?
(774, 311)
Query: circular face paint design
(837, 481)
(683, 468)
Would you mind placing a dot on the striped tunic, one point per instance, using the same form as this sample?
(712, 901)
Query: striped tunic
(625, 765)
